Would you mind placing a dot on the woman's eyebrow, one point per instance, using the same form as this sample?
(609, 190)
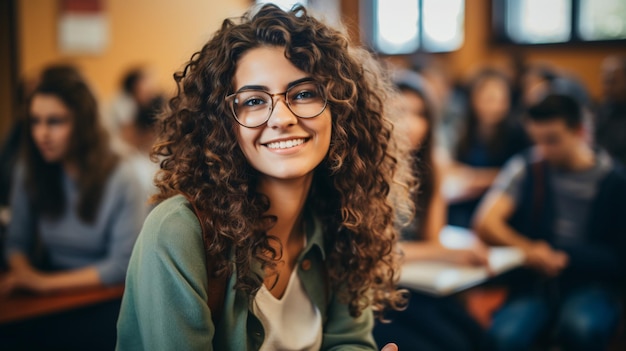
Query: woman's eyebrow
(253, 87)
(301, 80)
(265, 88)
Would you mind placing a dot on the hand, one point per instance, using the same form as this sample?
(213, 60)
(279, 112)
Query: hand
(7, 284)
(545, 259)
(477, 255)
(23, 279)
(390, 347)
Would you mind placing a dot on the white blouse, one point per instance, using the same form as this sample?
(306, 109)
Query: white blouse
(292, 322)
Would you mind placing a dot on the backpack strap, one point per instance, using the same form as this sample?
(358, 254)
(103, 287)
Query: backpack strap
(216, 287)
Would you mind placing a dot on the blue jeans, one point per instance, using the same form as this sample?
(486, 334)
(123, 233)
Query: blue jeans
(583, 319)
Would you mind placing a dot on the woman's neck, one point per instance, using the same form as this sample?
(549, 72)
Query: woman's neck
(71, 169)
(486, 131)
(287, 199)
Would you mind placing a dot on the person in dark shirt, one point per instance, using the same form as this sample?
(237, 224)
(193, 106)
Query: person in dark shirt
(562, 203)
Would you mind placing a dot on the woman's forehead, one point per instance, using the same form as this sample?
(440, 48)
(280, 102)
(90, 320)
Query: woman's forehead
(47, 104)
(266, 67)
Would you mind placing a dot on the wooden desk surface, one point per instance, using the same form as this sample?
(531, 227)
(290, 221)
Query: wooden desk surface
(24, 306)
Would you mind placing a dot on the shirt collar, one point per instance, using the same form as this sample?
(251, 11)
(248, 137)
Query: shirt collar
(314, 232)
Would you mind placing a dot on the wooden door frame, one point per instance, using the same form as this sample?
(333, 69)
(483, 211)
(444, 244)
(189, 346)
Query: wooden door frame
(9, 65)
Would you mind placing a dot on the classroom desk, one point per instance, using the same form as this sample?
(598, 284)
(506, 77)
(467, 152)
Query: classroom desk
(444, 278)
(79, 320)
(22, 306)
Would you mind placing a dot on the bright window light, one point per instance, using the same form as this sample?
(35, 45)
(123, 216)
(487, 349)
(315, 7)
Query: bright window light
(404, 26)
(539, 21)
(602, 19)
(443, 24)
(396, 26)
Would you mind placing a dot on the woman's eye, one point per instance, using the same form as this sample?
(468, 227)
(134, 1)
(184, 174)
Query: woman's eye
(50, 121)
(251, 102)
(55, 121)
(304, 95)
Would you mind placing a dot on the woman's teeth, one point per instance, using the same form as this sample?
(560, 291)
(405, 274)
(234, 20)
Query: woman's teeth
(286, 144)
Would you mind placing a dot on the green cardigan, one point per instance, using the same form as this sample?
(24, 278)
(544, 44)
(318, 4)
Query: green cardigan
(165, 301)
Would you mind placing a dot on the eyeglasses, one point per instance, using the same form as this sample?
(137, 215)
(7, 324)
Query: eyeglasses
(253, 108)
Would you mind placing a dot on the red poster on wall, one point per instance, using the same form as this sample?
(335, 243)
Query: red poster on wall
(83, 27)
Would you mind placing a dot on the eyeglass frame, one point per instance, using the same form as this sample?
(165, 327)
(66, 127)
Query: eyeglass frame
(229, 99)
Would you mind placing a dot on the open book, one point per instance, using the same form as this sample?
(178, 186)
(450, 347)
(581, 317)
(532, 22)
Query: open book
(442, 278)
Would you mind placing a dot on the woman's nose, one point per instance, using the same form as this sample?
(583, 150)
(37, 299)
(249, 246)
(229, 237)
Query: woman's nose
(281, 116)
(40, 132)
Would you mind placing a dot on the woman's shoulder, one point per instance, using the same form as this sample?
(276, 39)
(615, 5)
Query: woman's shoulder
(172, 225)
(173, 213)
(123, 191)
(175, 206)
(123, 174)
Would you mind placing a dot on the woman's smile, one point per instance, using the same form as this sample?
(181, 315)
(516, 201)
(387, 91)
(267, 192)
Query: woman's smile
(287, 146)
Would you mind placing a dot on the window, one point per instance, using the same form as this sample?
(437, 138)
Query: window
(602, 19)
(406, 26)
(397, 26)
(539, 21)
(443, 24)
(559, 21)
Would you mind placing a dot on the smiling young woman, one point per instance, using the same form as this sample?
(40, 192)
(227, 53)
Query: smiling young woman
(275, 228)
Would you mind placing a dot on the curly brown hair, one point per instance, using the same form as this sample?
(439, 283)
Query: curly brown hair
(353, 188)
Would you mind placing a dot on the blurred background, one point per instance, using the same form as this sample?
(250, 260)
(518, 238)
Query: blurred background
(473, 67)
(458, 36)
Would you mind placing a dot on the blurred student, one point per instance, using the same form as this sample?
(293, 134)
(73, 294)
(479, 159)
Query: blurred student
(610, 130)
(275, 229)
(75, 206)
(448, 104)
(139, 91)
(489, 138)
(563, 203)
(538, 80)
(428, 323)
(140, 136)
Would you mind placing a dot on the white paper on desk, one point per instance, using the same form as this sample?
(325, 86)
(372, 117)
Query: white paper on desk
(440, 278)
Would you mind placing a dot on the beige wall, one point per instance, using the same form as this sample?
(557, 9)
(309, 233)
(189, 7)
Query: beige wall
(160, 33)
